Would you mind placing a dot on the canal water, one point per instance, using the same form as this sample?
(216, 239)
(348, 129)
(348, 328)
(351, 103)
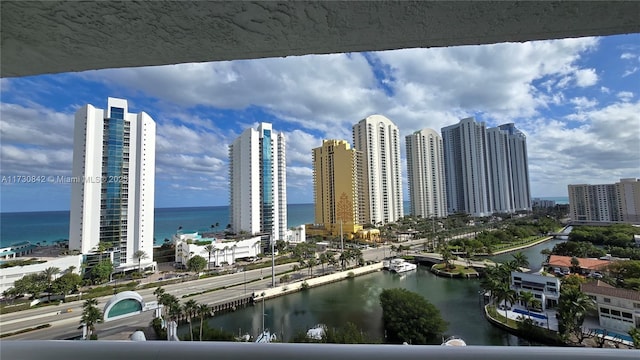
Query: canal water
(356, 300)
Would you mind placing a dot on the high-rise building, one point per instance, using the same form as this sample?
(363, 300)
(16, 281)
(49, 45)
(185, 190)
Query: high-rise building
(487, 170)
(113, 182)
(628, 191)
(466, 174)
(379, 140)
(619, 202)
(425, 168)
(508, 169)
(337, 187)
(257, 183)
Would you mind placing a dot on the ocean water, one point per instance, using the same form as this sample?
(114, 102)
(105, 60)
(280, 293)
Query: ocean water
(50, 226)
(560, 200)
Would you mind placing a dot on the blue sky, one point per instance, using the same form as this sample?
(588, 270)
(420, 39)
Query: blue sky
(575, 99)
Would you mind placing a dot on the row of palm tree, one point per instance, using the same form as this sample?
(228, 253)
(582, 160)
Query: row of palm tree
(173, 310)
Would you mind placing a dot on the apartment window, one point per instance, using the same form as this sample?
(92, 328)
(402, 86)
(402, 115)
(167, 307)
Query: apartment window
(607, 300)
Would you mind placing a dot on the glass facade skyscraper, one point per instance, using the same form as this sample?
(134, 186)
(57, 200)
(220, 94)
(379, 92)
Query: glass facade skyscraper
(257, 183)
(112, 195)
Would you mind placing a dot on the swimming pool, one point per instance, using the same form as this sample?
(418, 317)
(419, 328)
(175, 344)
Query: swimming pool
(523, 312)
(614, 335)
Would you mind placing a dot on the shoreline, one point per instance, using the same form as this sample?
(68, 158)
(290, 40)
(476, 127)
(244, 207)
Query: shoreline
(522, 246)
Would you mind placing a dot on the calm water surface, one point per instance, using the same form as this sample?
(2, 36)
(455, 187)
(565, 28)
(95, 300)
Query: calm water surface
(356, 300)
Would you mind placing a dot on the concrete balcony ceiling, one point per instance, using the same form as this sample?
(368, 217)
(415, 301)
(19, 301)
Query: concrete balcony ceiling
(40, 37)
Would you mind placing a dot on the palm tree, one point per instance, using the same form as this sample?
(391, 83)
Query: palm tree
(49, 274)
(202, 310)
(312, 262)
(323, 260)
(527, 298)
(159, 292)
(139, 255)
(445, 251)
(504, 293)
(190, 308)
(520, 260)
(70, 269)
(209, 248)
(91, 315)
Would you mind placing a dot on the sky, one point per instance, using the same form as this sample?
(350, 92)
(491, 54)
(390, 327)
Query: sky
(577, 101)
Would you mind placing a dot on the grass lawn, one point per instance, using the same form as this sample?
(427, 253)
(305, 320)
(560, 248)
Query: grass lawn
(500, 317)
(456, 270)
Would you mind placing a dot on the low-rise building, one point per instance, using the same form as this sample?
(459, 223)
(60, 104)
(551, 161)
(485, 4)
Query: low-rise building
(225, 251)
(296, 235)
(586, 265)
(10, 274)
(16, 250)
(618, 309)
(544, 288)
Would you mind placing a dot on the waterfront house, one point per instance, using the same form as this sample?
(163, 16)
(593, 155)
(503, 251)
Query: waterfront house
(545, 288)
(587, 265)
(618, 309)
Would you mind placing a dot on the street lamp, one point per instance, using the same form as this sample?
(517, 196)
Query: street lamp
(263, 313)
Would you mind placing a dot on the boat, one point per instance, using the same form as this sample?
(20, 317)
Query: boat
(316, 332)
(401, 266)
(266, 337)
(454, 341)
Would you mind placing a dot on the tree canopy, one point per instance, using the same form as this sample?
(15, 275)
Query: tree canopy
(408, 317)
(196, 263)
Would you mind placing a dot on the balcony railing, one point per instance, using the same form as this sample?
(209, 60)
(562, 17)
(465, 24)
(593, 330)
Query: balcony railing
(152, 350)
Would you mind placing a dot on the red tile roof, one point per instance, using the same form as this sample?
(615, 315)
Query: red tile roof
(590, 264)
(601, 288)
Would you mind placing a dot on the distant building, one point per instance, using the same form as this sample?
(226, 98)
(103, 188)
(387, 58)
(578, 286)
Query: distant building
(338, 187)
(619, 202)
(379, 140)
(508, 169)
(296, 235)
(486, 170)
(618, 309)
(16, 250)
(224, 251)
(425, 174)
(541, 203)
(257, 183)
(466, 173)
(545, 289)
(113, 184)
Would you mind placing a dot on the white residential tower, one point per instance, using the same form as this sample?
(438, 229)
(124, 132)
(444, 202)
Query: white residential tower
(378, 139)
(425, 168)
(113, 182)
(257, 182)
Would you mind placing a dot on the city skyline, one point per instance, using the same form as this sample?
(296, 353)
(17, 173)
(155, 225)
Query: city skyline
(576, 100)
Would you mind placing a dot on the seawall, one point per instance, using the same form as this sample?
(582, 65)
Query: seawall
(316, 281)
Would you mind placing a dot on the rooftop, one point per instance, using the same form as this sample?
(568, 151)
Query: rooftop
(602, 288)
(565, 261)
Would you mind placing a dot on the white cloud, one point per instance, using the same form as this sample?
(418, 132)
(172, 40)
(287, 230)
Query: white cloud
(630, 71)
(538, 85)
(582, 103)
(625, 96)
(586, 77)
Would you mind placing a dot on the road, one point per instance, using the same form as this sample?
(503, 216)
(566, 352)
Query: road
(65, 318)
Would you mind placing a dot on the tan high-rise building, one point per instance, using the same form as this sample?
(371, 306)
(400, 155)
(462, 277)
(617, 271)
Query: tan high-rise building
(338, 187)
